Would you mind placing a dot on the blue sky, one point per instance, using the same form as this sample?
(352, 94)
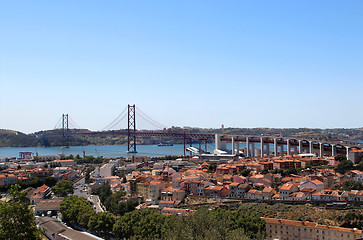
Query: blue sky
(184, 63)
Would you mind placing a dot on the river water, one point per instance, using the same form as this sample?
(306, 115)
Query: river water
(106, 150)
(99, 150)
(110, 150)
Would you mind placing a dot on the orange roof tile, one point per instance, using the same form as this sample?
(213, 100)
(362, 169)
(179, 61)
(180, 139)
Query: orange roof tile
(37, 196)
(235, 184)
(215, 188)
(287, 186)
(166, 202)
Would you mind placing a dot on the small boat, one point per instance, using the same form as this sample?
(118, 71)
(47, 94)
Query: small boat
(165, 144)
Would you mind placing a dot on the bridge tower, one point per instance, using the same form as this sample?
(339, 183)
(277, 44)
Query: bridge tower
(131, 129)
(65, 130)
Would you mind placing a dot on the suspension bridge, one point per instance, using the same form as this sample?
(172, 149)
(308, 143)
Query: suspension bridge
(129, 114)
(279, 144)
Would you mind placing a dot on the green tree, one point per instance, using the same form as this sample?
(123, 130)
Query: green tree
(141, 224)
(203, 224)
(340, 158)
(291, 171)
(17, 219)
(360, 165)
(124, 180)
(245, 172)
(50, 181)
(253, 225)
(63, 188)
(87, 177)
(352, 219)
(76, 210)
(344, 166)
(104, 191)
(212, 167)
(351, 185)
(217, 224)
(102, 222)
(115, 205)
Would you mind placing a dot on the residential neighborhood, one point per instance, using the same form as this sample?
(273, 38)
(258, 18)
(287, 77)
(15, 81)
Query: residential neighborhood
(174, 186)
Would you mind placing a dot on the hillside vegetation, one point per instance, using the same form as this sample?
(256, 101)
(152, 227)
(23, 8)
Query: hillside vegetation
(10, 138)
(351, 218)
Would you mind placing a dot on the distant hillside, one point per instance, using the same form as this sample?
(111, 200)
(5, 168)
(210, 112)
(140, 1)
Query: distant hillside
(79, 140)
(10, 138)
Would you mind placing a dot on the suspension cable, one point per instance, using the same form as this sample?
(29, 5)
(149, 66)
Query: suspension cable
(58, 123)
(74, 123)
(155, 123)
(117, 122)
(116, 119)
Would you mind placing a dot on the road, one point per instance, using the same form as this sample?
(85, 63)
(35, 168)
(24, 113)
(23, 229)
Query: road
(81, 190)
(96, 202)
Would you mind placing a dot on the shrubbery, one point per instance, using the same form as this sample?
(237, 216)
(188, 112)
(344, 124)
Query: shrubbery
(151, 224)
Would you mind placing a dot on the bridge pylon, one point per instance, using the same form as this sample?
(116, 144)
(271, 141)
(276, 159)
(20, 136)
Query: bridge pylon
(65, 130)
(131, 129)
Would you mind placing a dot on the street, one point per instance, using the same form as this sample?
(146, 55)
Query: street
(81, 190)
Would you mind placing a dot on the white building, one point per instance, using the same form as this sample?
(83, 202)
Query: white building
(107, 170)
(357, 175)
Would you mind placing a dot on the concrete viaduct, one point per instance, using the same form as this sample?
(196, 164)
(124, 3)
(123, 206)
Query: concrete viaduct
(277, 146)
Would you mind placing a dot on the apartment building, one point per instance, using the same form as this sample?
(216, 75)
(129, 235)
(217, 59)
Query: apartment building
(293, 230)
(107, 170)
